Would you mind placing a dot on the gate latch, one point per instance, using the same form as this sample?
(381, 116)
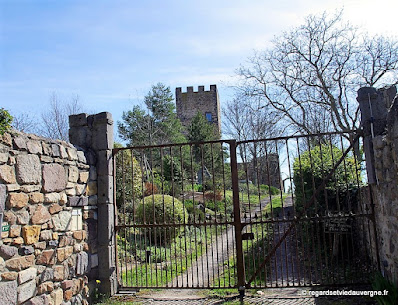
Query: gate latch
(247, 236)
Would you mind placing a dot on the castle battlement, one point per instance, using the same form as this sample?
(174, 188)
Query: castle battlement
(191, 102)
(190, 89)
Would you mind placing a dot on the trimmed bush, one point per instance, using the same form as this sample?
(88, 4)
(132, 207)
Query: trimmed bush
(162, 209)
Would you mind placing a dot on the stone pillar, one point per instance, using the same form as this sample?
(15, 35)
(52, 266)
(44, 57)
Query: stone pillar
(373, 105)
(94, 133)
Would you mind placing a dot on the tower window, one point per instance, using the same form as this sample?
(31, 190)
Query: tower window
(209, 117)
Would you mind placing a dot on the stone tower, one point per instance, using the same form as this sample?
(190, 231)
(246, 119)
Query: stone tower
(206, 102)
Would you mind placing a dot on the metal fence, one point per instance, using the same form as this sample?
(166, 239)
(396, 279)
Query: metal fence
(224, 214)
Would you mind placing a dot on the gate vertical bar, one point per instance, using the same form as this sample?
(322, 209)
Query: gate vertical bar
(237, 219)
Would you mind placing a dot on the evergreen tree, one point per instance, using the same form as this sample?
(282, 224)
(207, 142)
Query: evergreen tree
(155, 125)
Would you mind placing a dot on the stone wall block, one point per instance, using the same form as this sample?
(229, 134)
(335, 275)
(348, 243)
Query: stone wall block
(30, 188)
(47, 257)
(6, 139)
(54, 178)
(15, 231)
(47, 275)
(3, 197)
(91, 188)
(31, 234)
(13, 187)
(105, 230)
(7, 174)
(26, 250)
(77, 201)
(20, 143)
(8, 251)
(3, 158)
(45, 287)
(73, 174)
(57, 296)
(72, 153)
(40, 215)
(20, 263)
(9, 276)
(80, 136)
(54, 208)
(78, 120)
(8, 293)
(105, 164)
(83, 177)
(34, 147)
(38, 300)
(17, 200)
(22, 217)
(27, 275)
(62, 221)
(62, 152)
(80, 189)
(28, 169)
(26, 291)
(105, 189)
(64, 253)
(81, 157)
(55, 150)
(59, 272)
(52, 197)
(82, 265)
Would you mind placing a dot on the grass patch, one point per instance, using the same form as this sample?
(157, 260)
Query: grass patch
(165, 262)
(276, 204)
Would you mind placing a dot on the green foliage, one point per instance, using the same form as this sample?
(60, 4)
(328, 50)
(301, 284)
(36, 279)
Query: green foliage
(173, 175)
(156, 124)
(253, 189)
(382, 284)
(201, 130)
(128, 177)
(5, 121)
(162, 209)
(310, 168)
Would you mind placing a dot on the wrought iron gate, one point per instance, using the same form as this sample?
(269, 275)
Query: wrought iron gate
(289, 211)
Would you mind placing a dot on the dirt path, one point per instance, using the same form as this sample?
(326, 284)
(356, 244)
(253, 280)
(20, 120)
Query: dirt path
(209, 266)
(285, 269)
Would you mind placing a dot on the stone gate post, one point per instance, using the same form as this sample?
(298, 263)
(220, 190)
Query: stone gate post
(94, 133)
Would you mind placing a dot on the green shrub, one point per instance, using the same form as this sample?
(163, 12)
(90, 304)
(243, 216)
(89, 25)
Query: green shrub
(162, 209)
(128, 179)
(273, 190)
(195, 214)
(5, 121)
(310, 169)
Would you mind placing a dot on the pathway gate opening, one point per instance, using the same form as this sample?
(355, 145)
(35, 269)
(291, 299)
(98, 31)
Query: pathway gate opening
(281, 212)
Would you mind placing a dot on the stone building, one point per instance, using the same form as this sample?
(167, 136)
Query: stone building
(262, 170)
(189, 103)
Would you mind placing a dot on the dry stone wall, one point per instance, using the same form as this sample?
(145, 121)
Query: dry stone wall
(48, 200)
(381, 148)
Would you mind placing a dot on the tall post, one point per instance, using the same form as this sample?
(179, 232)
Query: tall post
(94, 133)
(374, 106)
(237, 219)
(102, 143)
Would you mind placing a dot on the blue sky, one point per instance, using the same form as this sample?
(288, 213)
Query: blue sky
(111, 52)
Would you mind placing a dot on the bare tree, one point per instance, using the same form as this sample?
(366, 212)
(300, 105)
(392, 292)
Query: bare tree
(25, 122)
(246, 119)
(312, 73)
(55, 121)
